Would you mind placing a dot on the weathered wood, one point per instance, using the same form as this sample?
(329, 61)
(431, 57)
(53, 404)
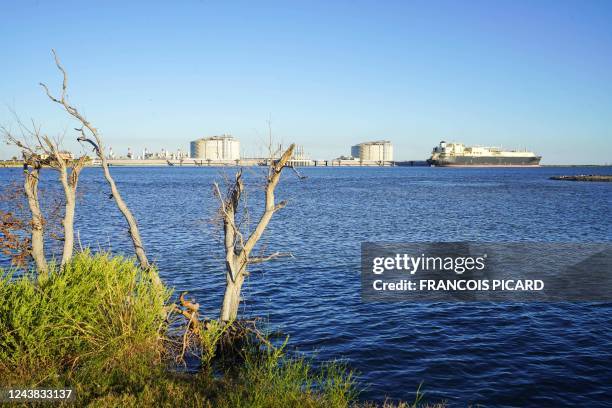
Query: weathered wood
(32, 164)
(96, 141)
(32, 177)
(69, 172)
(237, 249)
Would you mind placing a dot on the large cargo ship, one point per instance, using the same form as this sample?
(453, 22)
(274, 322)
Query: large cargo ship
(458, 155)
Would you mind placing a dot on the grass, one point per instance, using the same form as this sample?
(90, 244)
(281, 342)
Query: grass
(271, 376)
(98, 326)
(95, 325)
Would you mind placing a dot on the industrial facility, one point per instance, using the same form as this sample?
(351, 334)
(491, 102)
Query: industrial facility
(224, 150)
(381, 151)
(223, 147)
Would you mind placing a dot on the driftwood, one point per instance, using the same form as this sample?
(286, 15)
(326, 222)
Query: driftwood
(189, 311)
(207, 339)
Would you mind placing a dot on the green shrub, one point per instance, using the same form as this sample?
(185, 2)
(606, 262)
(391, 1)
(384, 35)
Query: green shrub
(210, 337)
(100, 314)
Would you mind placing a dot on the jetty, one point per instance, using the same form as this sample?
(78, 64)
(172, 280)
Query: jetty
(584, 177)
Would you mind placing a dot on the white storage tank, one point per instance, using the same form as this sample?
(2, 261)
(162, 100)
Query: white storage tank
(223, 147)
(381, 150)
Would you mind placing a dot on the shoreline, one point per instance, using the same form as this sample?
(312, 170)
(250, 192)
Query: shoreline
(297, 163)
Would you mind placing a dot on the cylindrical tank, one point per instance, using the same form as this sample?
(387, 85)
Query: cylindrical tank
(215, 148)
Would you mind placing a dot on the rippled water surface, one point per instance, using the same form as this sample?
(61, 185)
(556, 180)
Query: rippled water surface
(491, 354)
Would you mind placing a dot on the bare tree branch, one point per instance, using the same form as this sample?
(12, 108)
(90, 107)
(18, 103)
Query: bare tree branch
(96, 142)
(69, 170)
(297, 173)
(273, 177)
(238, 254)
(62, 162)
(270, 257)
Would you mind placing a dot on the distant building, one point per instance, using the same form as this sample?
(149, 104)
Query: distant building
(373, 151)
(64, 154)
(223, 147)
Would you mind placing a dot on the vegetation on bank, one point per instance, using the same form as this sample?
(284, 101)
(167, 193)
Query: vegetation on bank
(96, 327)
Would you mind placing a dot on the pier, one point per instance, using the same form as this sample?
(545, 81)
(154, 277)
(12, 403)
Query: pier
(584, 177)
(246, 162)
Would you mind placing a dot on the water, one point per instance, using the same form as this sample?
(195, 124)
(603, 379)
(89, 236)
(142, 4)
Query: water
(477, 353)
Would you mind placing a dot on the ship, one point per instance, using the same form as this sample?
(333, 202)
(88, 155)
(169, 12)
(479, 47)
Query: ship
(459, 155)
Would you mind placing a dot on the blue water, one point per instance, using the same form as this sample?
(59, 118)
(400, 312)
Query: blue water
(477, 353)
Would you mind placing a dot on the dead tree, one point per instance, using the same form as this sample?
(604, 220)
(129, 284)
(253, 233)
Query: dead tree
(237, 248)
(69, 179)
(32, 164)
(44, 150)
(91, 135)
(31, 170)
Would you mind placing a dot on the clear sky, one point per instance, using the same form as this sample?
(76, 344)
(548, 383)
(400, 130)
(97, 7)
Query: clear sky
(535, 74)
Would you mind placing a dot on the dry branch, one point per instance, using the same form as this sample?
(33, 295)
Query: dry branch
(45, 151)
(91, 135)
(193, 329)
(14, 230)
(237, 249)
(275, 255)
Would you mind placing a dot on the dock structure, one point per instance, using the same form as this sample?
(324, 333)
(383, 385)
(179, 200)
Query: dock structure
(412, 163)
(585, 177)
(352, 163)
(246, 162)
(179, 162)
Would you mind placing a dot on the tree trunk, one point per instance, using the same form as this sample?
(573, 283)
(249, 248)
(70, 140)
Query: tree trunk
(127, 214)
(31, 191)
(231, 298)
(69, 227)
(68, 221)
(237, 252)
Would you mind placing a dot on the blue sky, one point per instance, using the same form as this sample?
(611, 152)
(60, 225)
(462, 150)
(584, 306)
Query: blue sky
(535, 74)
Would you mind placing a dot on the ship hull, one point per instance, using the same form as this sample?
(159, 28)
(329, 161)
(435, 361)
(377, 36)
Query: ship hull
(485, 161)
